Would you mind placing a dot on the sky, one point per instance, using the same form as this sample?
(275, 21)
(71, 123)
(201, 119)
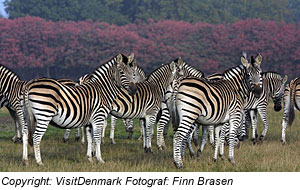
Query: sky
(2, 9)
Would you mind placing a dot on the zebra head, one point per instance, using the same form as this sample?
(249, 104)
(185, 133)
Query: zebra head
(278, 92)
(128, 73)
(254, 75)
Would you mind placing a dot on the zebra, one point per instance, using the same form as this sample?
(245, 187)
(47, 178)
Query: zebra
(146, 103)
(273, 86)
(138, 76)
(163, 117)
(10, 90)
(66, 106)
(214, 103)
(291, 99)
(10, 97)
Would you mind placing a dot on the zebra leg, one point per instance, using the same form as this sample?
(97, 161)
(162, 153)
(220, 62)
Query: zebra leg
(211, 134)
(234, 123)
(196, 135)
(222, 136)
(77, 135)
(82, 137)
(113, 120)
(17, 135)
(89, 143)
(103, 131)
(217, 142)
(142, 124)
(98, 125)
(37, 136)
(190, 137)
(263, 115)
(203, 140)
(163, 122)
(66, 135)
(286, 100)
(149, 123)
(25, 145)
(253, 117)
(129, 127)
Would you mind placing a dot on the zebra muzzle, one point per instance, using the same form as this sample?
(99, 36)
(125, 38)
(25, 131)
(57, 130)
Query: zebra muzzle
(257, 90)
(132, 88)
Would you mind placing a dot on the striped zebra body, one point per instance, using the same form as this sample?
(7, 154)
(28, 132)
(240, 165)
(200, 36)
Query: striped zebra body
(273, 87)
(10, 91)
(73, 106)
(168, 105)
(291, 99)
(206, 102)
(146, 103)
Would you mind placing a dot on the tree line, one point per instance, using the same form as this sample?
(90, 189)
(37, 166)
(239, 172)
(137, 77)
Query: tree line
(35, 47)
(122, 12)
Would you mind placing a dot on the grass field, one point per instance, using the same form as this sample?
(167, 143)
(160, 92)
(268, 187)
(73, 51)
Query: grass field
(128, 155)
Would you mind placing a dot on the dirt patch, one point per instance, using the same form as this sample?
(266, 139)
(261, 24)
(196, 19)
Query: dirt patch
(6, 123)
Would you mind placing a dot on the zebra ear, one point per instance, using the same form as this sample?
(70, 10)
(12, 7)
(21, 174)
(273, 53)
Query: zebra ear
(180, 62)
(173, 66)
(131, 57)
(119, 58)
(258, 59)
(245, 62)
(284, 79)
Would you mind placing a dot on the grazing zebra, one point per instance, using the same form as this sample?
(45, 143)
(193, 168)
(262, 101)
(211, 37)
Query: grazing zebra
(215, 103)
(291, 99)
(146, 103)
(66, 106)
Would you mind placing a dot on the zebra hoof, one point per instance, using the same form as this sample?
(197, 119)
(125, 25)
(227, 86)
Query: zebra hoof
(18, 141)
(40, 164)
(179, 165)
(65, 140)
(199, 155)
(77, 139)
(100, 161)
(90, 159)
(253, 141)
(195, 142)
(112, 141)
(148, 150)
(161, 148)
(192, 154)
(283, 142)
(215, 160)
(25, 162)
(231, 160)
(261, 138)
(82, 142)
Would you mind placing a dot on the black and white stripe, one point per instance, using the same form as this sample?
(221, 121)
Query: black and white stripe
(215, 103)
(47, 100)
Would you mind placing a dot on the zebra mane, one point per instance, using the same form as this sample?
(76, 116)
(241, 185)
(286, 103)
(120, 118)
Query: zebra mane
(7, 70)
(105, 67)
(157, 70)
(268, 73)
(237, 70)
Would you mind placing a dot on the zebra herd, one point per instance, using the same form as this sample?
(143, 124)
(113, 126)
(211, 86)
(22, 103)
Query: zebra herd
(224, 104)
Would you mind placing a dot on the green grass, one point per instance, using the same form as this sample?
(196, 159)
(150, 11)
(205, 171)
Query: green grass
(128, 155)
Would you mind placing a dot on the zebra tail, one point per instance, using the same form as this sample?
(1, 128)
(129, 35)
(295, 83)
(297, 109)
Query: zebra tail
(291, 113)
(174, 116)
(29, 118)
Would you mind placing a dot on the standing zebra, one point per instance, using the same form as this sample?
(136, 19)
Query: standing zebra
(10, 91)
(215, 103)
(146, 103)
(291, 99)
(47, 100)
(273, 86)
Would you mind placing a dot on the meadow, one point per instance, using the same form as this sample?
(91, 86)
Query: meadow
(128, 155)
